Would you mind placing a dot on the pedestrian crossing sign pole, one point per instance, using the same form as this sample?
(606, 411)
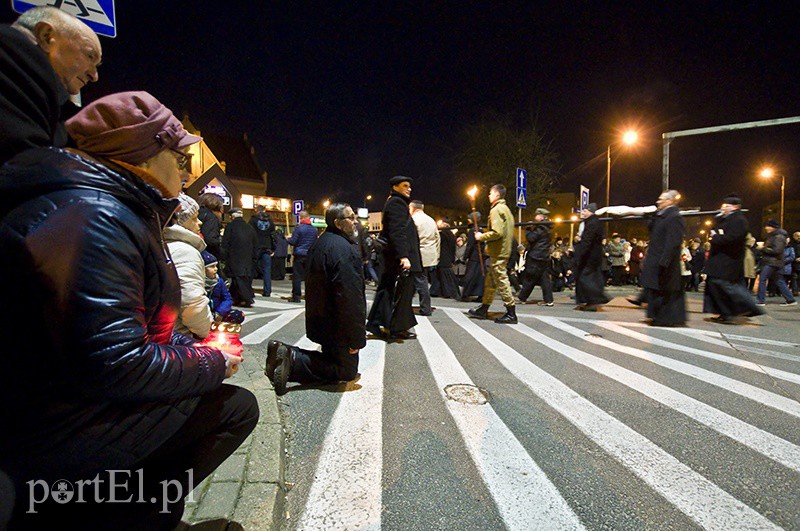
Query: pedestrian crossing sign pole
(97, 14)
(522, 199)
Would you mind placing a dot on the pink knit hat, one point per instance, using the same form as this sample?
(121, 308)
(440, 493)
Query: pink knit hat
(128, 126)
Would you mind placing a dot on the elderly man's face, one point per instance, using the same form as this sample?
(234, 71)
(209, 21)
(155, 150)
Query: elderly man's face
(664, 201)
(74, 52)
(403, 188)
(347, 223)
(727, 208)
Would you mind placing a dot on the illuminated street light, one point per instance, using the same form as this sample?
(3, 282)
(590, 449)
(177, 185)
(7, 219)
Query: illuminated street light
(769, 173)
(708, 223)
(367, 198)
(629, 138)
(326, 203)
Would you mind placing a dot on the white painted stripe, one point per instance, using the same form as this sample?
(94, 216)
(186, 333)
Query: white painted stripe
(264, 332)
(277, 305)
(751, 392)
(727, 342)
(346, 492)
(253, 316)
(691, 493)
(772, 446)
(524, 495)
(738, 362)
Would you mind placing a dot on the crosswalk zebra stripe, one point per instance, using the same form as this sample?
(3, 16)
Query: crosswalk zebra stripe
(513, 478)
(746, 339)
(252, 317)
(264, 332)
(690, 492)
(751, 392)
(765, 443)
(738, 362)
(727, 343)
(346, 492)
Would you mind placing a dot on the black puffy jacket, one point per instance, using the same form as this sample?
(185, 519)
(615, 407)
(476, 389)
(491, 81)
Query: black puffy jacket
(93, 377)
(539, 241)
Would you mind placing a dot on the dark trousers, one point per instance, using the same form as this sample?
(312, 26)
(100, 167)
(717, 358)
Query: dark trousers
(537, 274)
(221, 422)
(423, 290)
(391, 308)
(795, 281)
(333, 364)
(242, 290)
(774, 274)
(298, 275)
(278, 267)
(617, 275)
(265, 267)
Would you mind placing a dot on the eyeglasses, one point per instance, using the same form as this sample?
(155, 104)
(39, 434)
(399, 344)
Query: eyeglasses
(184, 159)
(351, 218)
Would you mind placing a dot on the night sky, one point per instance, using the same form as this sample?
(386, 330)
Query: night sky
(337, 98)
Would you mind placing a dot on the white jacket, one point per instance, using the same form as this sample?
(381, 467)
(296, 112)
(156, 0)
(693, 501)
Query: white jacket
(185, 246)
(429, 239)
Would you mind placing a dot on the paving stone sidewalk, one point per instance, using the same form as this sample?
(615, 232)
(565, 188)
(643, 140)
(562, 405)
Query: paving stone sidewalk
(248, 487)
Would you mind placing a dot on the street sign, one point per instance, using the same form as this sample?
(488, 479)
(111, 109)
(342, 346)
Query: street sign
(584, 197)
(522, 188)
(297, 207)
(522, 198)
(97, 14)
(522, 178)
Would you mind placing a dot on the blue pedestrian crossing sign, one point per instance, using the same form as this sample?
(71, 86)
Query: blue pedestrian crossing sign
(584, 198)
(97, 14)
(522, 188)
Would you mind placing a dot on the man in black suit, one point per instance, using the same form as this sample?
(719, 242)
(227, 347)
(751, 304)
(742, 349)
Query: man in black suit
(391, 315)
(725, 292)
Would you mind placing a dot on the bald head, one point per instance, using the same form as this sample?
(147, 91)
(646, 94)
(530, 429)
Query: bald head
(71, 46)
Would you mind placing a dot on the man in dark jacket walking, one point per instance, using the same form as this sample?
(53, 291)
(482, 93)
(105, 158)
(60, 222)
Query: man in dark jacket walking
(239, 250)
(661, 274)
(537, 259)
(725, 292)
(45, 56)
(302, 239)
(391, 315)
(265, 230)
(772, 262)
(335, 310)
(589, 258)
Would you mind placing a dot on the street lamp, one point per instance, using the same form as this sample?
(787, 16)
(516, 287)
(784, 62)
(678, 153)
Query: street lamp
(573, 219)
(629, 138)
(367, 198)
(769, 173)
(326, 204)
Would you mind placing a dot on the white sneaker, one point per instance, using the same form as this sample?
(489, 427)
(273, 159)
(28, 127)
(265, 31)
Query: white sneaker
(793, 303)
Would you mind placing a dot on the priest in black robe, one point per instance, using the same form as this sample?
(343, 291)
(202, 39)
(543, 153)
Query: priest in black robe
(589, 278)
(444, 282)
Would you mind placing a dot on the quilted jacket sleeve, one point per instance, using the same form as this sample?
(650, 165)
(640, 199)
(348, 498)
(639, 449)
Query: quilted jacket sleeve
(195, 315)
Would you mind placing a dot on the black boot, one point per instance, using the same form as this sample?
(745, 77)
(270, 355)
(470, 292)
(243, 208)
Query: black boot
(272, 358)
(283, 370)
(481, 312)
(510, 316)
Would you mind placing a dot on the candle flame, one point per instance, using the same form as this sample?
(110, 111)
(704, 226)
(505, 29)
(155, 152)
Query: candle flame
(472, 191)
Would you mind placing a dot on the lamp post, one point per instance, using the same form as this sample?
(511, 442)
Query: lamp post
(629, 138)
(769, 173)
(573, 219)
(367, 198)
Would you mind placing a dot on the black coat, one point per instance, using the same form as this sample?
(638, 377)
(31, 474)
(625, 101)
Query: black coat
(447, 251)
(400, 233)
(726, 257)
(95, 301)
(539, 239)
(210, 229)
(336, 309)
(662, 269)
(239, 248)
(265, 231)
(31, 97)
(589, 259)
(774, 247)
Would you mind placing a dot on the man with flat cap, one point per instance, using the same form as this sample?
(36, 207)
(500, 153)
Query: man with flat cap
(537, 259)
(391, 316)
(589, 279)
(725, 292)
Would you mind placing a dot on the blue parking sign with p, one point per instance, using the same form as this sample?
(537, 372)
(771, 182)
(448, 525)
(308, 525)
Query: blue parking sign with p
(97, 14)
(584, 197)
(297, 207)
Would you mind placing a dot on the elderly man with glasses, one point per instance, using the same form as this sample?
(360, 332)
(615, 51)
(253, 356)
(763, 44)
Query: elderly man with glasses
(335, 310)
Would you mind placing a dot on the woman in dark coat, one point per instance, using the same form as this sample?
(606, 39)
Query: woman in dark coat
(240, 252)
(589, 257)
(474, 277)
(115, 387)
(661, 274)
(447, 284)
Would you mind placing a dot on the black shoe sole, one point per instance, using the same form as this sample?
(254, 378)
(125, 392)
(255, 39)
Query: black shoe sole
(283, 370)
(272, 359)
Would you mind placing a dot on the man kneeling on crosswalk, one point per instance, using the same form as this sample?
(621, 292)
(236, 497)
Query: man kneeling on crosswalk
(335, 310)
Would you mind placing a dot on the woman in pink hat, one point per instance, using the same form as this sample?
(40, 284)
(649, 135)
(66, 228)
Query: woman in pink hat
(113, 387)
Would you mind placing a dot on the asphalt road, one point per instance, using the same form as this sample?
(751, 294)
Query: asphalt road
(593, 421)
